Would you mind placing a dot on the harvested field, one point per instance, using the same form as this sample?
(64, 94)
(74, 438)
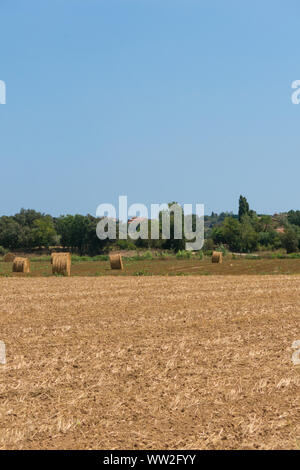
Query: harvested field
(150, 362)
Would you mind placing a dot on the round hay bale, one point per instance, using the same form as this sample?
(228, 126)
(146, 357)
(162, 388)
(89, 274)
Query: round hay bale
(9, 257)
(21, 265)
(61, 253)
(217, 257)
(116, 261)
(61, 263)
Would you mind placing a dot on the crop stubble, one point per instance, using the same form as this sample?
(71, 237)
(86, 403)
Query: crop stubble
(150, 362)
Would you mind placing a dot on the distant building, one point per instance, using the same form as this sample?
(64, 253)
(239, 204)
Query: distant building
(136, 219)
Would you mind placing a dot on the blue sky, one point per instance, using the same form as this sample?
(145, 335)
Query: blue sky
(159, 100)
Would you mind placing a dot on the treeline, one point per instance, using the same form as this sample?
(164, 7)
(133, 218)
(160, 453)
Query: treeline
(244, 232)
(30, 230)
(248, 232)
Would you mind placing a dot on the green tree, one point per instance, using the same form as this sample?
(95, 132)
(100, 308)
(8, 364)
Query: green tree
(249, 237)
(27, 217)
(10, 233)
(172, 243)
(72, 230)
(78, 233)
(290, 240)
(92, 244)
(44, 233)
(269, 239)
(264, 223)
(231, 234)
(243, 207)
(294, 217)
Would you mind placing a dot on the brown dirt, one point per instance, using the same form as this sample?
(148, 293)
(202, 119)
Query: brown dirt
(150, 363)
(170, 267)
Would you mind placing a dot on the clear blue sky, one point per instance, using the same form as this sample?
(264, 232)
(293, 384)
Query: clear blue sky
(159, 100)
